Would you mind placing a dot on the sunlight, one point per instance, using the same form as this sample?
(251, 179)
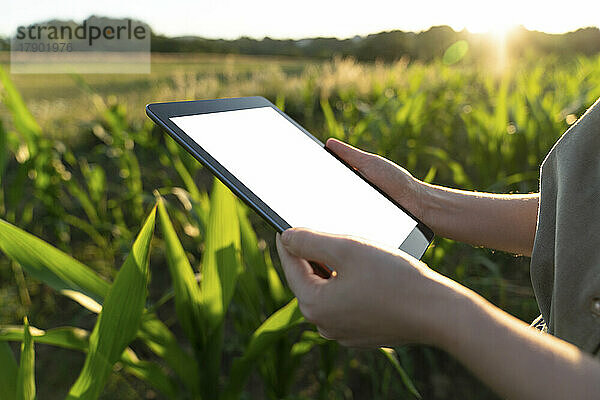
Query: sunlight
(499, 34)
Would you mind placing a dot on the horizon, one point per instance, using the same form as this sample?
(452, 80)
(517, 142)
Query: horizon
(229, 20)
(508, 30)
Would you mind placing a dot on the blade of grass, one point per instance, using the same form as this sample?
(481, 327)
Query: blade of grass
(119, 320)
(25, 376)
(8, 373)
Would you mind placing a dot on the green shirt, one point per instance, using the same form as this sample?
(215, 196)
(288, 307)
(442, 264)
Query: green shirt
(565, 263)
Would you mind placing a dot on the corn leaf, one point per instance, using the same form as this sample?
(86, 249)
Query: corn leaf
(266, 335)
(3, 151)
(221, 266)
(408, 383)
(149, 372)
(334, 128)
(258, 265)
(307, 341)
(50, 265)
(66, 337)
(276, 288)
(249, 241)
(221, 262)
(77, 281)
(25, 376)
(187, 292)
(249, 290)
(119, 320)
(164, 344)
(24, 122)
(73, 338)
(8, 373)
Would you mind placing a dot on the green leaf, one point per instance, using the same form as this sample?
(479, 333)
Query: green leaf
(249, 241)
(251, 296)
(8, 373)
(278, 291)
(22, 118)
(307, 341)
(72, 338)
(221, 266)
(187, 293)
(149, 372)
(120, 318)
(164, 344)
(3, 151)
(334, 128)
(266, 335)
(77, 281)
(50, 265)
(66, 337)
(408, 383)
(25, 376)
(221, 262)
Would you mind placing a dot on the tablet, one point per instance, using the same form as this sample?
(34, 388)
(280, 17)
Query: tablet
(285, 174)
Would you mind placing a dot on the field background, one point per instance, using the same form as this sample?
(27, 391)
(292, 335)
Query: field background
(466, 125)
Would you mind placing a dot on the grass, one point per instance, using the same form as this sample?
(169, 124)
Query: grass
(85, 168)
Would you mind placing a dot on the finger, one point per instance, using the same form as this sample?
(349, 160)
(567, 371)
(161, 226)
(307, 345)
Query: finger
(381, 172)
(331, 250)
(298, 273)
(353, 156)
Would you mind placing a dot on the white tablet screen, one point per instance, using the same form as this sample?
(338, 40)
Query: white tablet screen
(295, 176)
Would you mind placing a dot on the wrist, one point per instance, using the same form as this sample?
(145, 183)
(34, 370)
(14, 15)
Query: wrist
(452, 313)
(429, 201)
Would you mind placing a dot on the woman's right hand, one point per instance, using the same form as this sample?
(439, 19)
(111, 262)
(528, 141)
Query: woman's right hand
(392, 179)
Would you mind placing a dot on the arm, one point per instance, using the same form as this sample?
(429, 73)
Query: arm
(503, 222)
(408, 302)
(498, 221)
(515, 360)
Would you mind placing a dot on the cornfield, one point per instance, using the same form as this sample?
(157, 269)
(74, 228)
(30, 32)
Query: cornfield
(128, 272)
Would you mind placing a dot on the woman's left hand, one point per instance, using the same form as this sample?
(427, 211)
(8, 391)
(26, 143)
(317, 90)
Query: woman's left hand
(377, 298)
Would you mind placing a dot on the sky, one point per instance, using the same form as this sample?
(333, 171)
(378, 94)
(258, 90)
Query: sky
(229, 19)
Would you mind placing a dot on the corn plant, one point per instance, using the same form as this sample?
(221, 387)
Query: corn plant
(459, 126)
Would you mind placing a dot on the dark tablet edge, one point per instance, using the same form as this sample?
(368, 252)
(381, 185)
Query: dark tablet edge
(185, 108)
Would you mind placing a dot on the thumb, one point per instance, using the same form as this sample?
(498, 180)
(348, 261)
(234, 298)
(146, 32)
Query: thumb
(332, 250)
(298, 273)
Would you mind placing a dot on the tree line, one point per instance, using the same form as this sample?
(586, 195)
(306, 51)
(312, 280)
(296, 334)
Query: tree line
(387, 46)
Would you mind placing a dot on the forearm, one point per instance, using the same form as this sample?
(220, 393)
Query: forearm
(517, 361)
(502, 222)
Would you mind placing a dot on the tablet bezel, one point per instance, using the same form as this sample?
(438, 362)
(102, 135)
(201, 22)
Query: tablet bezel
(161, 114)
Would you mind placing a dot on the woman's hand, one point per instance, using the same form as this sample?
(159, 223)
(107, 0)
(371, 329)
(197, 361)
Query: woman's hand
(377, 297)
(497, 221)
(394, 180)
(383, 298)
